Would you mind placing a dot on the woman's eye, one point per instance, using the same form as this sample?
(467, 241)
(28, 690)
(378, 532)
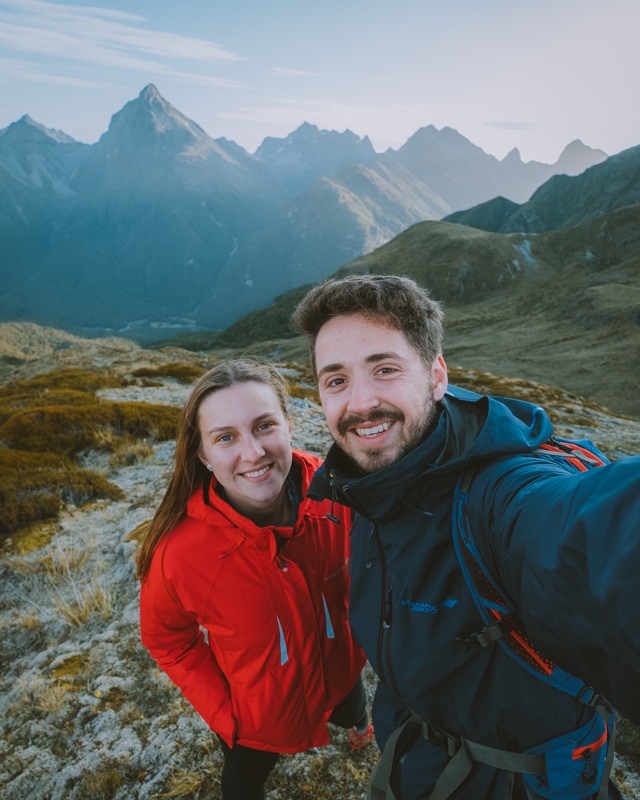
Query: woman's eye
(265, 426)
(225, 438)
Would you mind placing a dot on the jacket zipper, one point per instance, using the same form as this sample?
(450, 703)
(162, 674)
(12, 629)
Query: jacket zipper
(386, 607)
(384, 636)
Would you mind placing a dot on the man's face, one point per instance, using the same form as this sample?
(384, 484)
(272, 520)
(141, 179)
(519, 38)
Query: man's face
(376, 391)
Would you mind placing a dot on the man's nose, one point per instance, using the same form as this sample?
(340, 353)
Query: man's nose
(362, 397)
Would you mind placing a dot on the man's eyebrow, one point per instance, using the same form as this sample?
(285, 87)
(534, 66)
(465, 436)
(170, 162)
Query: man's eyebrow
(374, 358)
(330, 368)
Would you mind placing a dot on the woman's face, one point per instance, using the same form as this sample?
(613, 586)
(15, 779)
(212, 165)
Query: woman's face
(246, 439)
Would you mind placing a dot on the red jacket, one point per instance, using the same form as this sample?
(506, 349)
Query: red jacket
(255, 636)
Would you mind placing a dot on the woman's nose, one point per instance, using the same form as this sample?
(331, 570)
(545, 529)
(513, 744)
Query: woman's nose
(252, 449)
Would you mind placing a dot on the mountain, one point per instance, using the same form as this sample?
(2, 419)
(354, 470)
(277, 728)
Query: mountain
(364, 205)
(557, 307)
(563, 201)
(158, 226)
(308, 154)
(152, 211)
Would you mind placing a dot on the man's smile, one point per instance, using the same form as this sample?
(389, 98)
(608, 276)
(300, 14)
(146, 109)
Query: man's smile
(384, 426)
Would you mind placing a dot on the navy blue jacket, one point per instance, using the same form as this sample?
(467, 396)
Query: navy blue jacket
(565, 546)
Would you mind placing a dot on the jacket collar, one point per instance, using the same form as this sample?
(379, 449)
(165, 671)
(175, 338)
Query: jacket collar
(470, 427)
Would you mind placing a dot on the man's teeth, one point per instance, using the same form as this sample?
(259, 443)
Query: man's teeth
(383, 426)
(257, 473)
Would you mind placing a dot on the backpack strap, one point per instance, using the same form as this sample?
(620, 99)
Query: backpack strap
(502, 625)
(463, 753)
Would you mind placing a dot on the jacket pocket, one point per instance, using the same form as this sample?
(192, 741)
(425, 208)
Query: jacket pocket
(574, 761)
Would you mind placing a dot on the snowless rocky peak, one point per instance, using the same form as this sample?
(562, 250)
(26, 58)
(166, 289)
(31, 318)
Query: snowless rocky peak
(150, 122)
(576, 157)
(309, 138)
(512, 157)
(26, 126)
(149, 114)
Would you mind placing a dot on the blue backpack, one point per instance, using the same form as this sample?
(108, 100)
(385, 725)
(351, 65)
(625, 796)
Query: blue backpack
(575, 765)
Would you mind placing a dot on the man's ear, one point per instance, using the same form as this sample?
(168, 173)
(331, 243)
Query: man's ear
(440, 378)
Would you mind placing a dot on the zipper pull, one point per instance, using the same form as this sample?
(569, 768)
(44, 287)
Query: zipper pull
(589, 773)
(334, 499)
(371, 532)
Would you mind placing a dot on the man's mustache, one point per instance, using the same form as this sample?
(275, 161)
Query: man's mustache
(376, 415)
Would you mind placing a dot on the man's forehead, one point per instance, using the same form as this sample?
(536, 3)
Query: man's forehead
(349, 338)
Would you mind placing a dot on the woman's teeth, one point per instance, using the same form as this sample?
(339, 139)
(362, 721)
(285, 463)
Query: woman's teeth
(257, 473)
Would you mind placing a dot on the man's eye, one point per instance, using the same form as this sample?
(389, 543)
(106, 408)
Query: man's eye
(335, 382)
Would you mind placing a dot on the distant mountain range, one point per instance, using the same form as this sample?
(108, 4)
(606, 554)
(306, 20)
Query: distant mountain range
(159, 225)
(562, 201)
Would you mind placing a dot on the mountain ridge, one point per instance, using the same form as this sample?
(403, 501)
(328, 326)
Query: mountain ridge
(158, 224)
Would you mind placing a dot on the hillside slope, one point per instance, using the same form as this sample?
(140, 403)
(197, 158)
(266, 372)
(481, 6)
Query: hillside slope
(560, 308)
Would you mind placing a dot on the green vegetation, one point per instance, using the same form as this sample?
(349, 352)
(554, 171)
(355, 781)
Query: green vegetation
(46, 421)
(35, 486)
(185, 373)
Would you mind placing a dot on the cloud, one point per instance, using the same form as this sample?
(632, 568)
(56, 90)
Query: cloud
(97, 36)
(509, 125)
(295, 73)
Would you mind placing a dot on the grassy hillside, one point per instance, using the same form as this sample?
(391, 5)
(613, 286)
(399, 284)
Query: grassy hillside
(560, 308)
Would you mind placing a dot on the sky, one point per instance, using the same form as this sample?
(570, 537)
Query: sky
(531, 74)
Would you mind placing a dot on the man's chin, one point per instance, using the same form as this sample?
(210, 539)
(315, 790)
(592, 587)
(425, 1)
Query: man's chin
(370, 460)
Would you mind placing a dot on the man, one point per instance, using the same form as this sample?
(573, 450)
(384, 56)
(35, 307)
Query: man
(460, 717)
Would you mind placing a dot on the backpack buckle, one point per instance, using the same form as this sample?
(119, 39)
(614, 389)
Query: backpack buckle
(488, 635)
(589, 696)
(440, 737)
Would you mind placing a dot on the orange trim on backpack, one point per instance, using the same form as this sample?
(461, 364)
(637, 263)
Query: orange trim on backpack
(580, 751)
(525, 645)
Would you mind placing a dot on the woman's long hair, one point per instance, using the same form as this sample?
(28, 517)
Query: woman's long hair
(189, 472)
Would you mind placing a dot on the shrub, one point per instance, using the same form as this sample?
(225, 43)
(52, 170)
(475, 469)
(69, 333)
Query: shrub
(46, 421)
(71, 429)
(79, 380)
(35, 486)
(185, 373)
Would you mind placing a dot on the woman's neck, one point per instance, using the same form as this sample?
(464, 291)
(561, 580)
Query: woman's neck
(278, 513)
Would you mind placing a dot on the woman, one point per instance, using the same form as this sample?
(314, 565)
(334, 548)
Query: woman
(244, 582)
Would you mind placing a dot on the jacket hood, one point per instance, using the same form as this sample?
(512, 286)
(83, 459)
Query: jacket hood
(206, 505)
(470, 427)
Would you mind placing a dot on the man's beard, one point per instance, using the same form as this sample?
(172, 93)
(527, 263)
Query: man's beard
(372, 460)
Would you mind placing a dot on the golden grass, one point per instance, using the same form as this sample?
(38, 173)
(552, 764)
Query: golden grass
(69, 667)
(185, 373)
(75, 593)
(28, 539)
(183, 783)
(53, 698)
(46, 421)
